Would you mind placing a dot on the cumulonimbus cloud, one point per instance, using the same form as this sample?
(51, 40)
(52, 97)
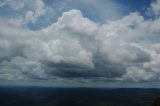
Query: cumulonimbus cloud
(77, 47)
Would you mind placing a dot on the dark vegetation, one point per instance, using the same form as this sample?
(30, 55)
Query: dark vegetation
(43, 96)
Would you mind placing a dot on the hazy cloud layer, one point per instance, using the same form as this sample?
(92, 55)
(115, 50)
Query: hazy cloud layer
(76, 49)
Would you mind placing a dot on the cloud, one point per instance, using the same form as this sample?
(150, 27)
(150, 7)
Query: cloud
(138, 74)
(155, 7)
(13, 4)
(27, 11)
(76, 48)
(98, 11)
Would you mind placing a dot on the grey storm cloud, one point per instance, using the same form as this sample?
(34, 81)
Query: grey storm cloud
(76, 47)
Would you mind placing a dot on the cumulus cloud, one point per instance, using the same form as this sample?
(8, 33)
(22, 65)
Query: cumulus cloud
(27, 11)
(155, 7)
(76, 47)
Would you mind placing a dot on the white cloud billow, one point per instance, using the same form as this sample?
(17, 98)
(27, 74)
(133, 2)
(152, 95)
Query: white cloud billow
(76, 46)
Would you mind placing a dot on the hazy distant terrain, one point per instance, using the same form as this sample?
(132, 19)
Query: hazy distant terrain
(44, 96)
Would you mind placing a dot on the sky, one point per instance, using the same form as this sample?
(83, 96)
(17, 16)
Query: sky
(80, 42)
